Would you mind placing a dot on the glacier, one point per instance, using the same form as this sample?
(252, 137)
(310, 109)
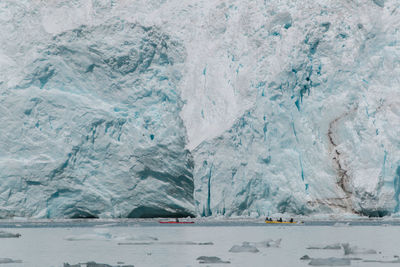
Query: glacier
(203, 108)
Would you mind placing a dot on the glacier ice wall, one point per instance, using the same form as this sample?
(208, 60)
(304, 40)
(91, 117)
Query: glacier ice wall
(163, 108)
(321, 134)
(91, 125)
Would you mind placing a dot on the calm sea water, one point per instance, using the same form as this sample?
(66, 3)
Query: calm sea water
(148, 243)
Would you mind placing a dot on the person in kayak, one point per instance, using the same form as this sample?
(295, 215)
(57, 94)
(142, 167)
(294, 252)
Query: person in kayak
(291, 220)
(280, 220)
(176, 220)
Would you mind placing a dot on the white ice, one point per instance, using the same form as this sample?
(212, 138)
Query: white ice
(238, 108)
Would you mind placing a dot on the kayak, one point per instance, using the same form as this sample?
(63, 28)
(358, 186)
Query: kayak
(279, 222)
(176, 222)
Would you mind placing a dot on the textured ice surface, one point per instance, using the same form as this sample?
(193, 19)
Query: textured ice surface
(8, 260)
(94, 264)
(163, 108)
(269, 243)
(330, 262)
(210, 259)
(383, 261)
(245, 247)
(4, 234)
(182, 243)
(106, 235)
(330, 246)
(91, 124)
(351, 250)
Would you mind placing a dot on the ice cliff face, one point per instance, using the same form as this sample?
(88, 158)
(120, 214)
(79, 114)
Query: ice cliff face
(92, 126)
(163, 108)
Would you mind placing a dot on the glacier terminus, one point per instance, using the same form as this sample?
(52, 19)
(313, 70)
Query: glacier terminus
(167, 108)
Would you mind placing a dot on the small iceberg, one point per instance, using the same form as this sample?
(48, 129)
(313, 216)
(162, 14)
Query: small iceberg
(329, 262)
(212, 259)
(348, 250)
(268, 243)
(8, 260)
(106, 235)
(4, 234)
(331, 246)
(397, 260)
(94, 264)
(169, 243)
(245, 247)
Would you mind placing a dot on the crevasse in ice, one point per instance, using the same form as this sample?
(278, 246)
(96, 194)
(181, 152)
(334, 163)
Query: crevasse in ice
(163, 108)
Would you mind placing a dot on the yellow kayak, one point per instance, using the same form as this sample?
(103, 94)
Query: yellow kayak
(279, 222)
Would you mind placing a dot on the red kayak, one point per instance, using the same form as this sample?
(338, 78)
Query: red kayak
(176, 222)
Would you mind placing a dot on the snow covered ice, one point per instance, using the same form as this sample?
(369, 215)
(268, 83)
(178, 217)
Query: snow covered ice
(161, 108)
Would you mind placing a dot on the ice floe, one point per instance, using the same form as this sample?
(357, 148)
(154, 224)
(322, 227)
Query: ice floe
(94, 264)
(210, 259)
(106, 235)
(397, 260)
(169, 243)
(268, 243)
(351, 250)
(330, 262)
(8, 260)
(245, 247)
(4, 234)
(331, 246)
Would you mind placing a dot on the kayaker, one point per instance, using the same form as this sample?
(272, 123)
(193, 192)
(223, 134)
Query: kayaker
(176, 220)
(280, 220)
(291, 220)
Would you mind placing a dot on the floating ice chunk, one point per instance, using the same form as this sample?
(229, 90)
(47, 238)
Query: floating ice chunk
(4, 234)
(331, 246)
(105, 234)
(329, 262)
(184, 243)
(245, 247)
(212, 259)
(94, 264)
(8, 260)
(133, 237)
(378, 261)
(305, 257)
(99, 234)
(169, 243)
(86, 237)
(268, 243)
(136, 243)
(348, 250)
